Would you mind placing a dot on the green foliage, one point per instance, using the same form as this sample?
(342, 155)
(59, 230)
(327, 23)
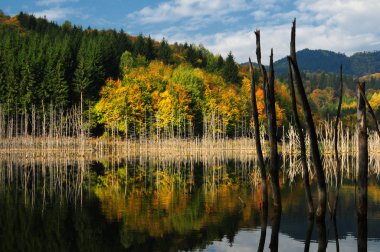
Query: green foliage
(150, 53)
(139, 47)
(191, 56)
(187, 76)
(164, 52)
(43, 62)
(127, 61)
(230, 70)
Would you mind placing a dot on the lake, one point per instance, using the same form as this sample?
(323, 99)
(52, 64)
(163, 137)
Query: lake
(183, 203)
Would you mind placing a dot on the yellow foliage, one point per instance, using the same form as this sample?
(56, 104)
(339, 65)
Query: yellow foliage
(165, 109)
(322, 97)
(174, 97)
(375, 101)
(351, 105)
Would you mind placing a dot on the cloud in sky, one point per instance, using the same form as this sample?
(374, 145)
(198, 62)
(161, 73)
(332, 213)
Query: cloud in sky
(343, 26)
(56, 13)
(227, 25)
(172, 11)
(53, 2)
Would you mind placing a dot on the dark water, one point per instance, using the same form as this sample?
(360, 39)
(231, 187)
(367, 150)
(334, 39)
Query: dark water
(58, 204)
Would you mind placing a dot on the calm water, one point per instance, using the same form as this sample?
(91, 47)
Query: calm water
(63, 204)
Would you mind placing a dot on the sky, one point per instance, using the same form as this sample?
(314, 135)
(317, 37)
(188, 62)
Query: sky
(345, 26)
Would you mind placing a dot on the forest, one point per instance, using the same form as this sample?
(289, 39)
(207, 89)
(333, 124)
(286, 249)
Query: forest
(137, 86)
(102, 127)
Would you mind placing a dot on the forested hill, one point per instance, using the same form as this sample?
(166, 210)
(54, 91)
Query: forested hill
(140, 86)
(44, 63)
(359, 64)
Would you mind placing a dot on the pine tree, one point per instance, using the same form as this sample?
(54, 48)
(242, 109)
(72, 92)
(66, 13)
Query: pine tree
(150, 49)
(26, 85)
(230, 70)
(3, 83)
(139, 47)
(164, 52)
(220, 63)
(191, 56)
(60, 89)
(82, 78)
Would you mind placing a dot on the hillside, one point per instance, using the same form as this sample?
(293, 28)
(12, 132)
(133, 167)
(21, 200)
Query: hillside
(42, 62)
(370, 76)
(140, 86)
(359, 64)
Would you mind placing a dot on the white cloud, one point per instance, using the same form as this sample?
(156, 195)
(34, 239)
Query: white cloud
(56, 13)
(53, 2)
(343, 26)
(259, 14)
(352, 16)
(175, 10)
(241, 42)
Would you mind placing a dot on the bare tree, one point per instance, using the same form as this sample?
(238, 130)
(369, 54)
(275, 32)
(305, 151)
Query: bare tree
(363, 169)
(264, 188)
(363, 152)
(337, 157)
(257, 136)
(316, 157)
(309, 199)
(272, 128)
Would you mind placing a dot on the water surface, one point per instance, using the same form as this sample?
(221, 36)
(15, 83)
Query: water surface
(55, 203)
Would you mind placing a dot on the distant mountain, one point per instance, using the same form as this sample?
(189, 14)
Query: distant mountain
(359, 64)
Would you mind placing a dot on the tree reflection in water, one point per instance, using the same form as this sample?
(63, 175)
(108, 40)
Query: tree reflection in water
(65, 204)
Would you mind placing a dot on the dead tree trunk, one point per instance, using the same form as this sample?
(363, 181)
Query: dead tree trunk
(259, 152)
(309, 232)
(301, 137)
(275, 231)
(271, 114)
(362, 234)
(272, 128)
(363, 153)
(370, 110)
(322, 235)
(316, 158)
(336, 235)
(337, 157)
(263, 221)
(264, 188)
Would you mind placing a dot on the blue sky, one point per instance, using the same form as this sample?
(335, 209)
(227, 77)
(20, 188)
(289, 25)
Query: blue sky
(225, 25)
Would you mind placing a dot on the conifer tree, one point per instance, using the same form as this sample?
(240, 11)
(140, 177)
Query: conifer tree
(220, 63)
(230, 70)
(139, 47)
(191, 56)
(26, 85)
(150, 49)
(164, 52)
(59, 86)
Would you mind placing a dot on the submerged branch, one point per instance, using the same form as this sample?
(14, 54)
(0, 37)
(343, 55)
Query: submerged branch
(256, 124)
(301, 136)
(337, 158)
(317, 162)
(272, 128)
